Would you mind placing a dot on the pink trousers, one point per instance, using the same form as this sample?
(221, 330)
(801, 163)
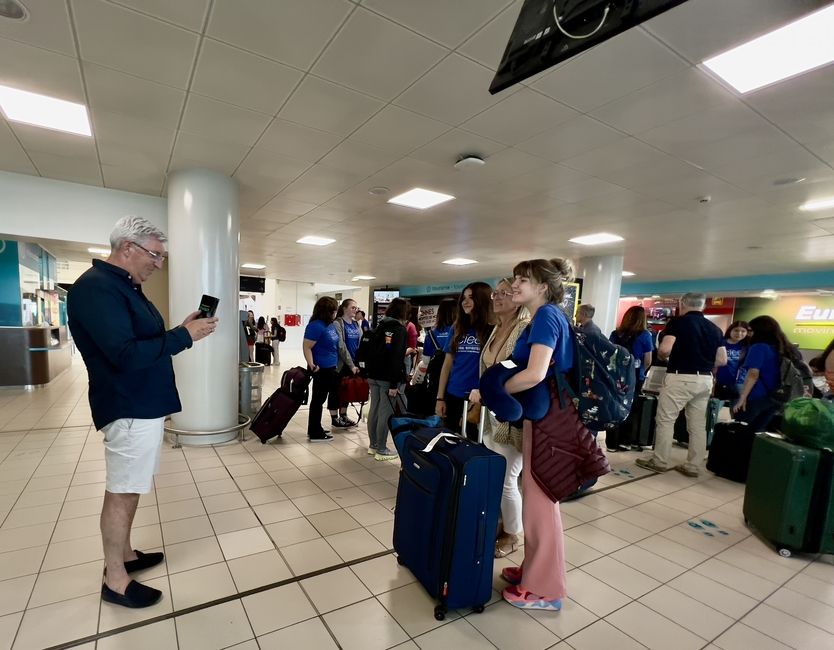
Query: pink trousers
(543, 569)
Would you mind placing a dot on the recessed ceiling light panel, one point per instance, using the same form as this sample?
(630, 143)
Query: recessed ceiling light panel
(47, 112)
(627, 274)
(420, 198)
(460, 261)
(95, 250)
(819, 204)
(596, 239)
(312, 240)
(363, 277)
(249, 265)
(800, 46)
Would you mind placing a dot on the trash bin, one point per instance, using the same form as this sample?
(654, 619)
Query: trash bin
(251, 381)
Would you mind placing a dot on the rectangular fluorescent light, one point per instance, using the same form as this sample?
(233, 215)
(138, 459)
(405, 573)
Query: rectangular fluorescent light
(800, 46)
(47, 112)
(257, 267)
(460, 261)
(363, 277)
(627, 274)
(99, 251)
(420, 198)
(315, 241)
(598, 238)
(821, 204)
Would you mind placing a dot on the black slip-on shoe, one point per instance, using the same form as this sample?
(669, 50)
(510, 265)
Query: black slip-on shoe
(136, 595)
(143, 561)
(322, 437)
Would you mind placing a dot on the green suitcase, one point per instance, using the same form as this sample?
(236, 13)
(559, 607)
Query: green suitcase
(787, 499)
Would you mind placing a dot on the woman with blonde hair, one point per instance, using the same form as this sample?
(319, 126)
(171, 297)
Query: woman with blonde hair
(502, 437)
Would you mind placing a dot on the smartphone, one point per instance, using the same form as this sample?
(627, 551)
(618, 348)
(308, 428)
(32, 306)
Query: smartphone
(208, 306)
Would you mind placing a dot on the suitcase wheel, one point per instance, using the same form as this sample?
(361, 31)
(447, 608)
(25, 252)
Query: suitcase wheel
(479, 609)
(400, 561)
(785, 552)
(440, 612)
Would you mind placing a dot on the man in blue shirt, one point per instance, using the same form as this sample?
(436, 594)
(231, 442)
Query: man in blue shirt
(694, 346)
(127, 351)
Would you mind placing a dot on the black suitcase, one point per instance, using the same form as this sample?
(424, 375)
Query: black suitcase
(276, 412)
(641, 430)
(263, 353)
(681, 435)
(729, 454)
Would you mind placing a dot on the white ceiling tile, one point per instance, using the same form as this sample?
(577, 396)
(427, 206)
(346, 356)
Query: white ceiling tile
(297, 141)
(272, 217)
(127, 41)
(48, 26)
(12, 156)
(620, 154)
(446, 150)
(446, 22)
(397, 130)
(322, 105)
(687, 193)
(687, 93)
(75, 168)
(114, 92)
(377, 57)
(128, 142)
(744, 149)
(291, 31)
(762, 169)
(268, 171)
(501, 166)
(519, 117)
(576, 136)
(702, 28)
(611, 70)
(452, 92)
(264, 86)
(358, 158)
(132, 179)
(197, 151)
(487, 45)
(584, 190)
(218, 120)
(39, 71)
(190, 14)
(548, 177)
(288, 206)
(320, 184)
(37, 140)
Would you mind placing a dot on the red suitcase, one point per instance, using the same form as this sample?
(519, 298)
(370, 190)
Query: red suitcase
(354, 390)
(276, 413)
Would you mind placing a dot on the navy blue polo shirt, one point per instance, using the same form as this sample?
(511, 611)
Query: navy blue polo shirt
(122, 339)
(696, 342)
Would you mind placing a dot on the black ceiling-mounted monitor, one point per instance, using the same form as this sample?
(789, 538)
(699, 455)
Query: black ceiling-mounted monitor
(548, 32)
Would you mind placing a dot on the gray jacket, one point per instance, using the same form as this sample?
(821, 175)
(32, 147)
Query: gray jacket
(344, 355)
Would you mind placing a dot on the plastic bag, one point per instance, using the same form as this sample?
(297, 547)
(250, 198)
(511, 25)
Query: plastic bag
(809, 422)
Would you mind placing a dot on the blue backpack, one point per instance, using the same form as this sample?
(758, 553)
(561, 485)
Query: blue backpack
(601, 381)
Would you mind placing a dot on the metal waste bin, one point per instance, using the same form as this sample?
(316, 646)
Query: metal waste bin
(251, 381)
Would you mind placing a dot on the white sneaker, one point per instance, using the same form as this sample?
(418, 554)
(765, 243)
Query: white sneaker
(371, 451)
(385, 454)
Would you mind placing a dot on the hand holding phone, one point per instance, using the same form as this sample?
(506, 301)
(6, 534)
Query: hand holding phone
(208, 306)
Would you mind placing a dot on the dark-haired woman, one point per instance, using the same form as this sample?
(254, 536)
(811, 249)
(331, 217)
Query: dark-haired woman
(761, 374)
(726, 377)
(350, 332)
(546, 347)
(275, 337)
(321, 351)
(461, 367)
(444, 323)
(634, 336)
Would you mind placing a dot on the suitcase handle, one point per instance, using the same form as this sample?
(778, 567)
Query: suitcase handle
(443, 435)
(481, 421)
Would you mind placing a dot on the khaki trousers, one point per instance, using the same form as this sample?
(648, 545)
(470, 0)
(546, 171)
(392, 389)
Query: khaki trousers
(689, 392)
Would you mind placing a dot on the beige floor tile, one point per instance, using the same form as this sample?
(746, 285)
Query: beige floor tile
(369, 514)
(85, 491)
(804, 608)
(231, 520)
(354, 544)
(181, 510)
(253, 481)
(787, 629)
(672, 551)
(19, 517)
(603, 635)
(8, 629)
(335, 589)
(621, 529)
(22, 562)
(363, 477)
(30, 499)
(113, 616)
(81, 508)
(292, 531)
(300, 489)
(191, 555)
(67, 529)
(258, 570)
(413, 609)
(569, 620)
(284, 476)
(623, 578)
(66, 583)
(15, 539)
(715, 595)
(652, 565)
(267, 494)
(160, 635)
(383, 532)
(277, 608)
(458, 634)
(508, 627)
(221, 502)
(775, 569)
(382, 574)
(593, 594)
(14, 594)
(801, 583)
(696, 540)
(332, 522)
(269, 513)
(74, 551)
(742, 637)
(173, 479)
(244, 542)
(310, 635)
(215, 473)
(70, 619)
(580, 511)
(706, 622)
(310, 556)
(184, 530)
(365, 626)
(315, 503)
(201, 585)
(214, 628)
(578, 553)
(597, 539)
(220, 486)
(332, 483)
(735, 578)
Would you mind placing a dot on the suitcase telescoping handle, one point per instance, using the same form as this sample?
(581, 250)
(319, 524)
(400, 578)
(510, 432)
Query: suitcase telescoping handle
(481, 421)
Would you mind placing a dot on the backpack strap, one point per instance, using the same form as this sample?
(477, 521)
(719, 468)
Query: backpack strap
(434, 340)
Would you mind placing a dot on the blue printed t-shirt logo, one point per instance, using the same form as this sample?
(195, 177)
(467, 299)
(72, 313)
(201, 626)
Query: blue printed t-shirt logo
(469, 345)
(389, 336)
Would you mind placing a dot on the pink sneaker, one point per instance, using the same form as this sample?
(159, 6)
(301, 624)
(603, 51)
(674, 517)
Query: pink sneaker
(512, 574)
(517, 596)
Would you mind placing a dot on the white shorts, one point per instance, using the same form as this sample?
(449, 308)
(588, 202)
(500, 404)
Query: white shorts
(131, 454)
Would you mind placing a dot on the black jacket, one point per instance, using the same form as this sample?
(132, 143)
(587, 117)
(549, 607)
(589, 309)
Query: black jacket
(386, 361)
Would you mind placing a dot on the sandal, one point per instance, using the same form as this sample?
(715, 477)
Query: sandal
(507, 544)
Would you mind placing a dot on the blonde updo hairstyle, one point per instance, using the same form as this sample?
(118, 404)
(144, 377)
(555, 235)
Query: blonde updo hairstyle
(552, 272)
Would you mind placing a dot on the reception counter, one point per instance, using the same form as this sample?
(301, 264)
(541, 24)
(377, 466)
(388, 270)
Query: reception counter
(33, 356)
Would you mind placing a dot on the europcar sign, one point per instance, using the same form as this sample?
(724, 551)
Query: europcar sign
(806, 320)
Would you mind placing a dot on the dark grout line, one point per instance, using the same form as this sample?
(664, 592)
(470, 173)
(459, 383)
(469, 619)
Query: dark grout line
(218, 601)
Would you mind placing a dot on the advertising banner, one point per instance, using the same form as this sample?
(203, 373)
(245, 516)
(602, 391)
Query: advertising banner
(806, 320)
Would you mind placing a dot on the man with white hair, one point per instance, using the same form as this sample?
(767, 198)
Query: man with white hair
(694, 346)
(585, 319)
(127, 351)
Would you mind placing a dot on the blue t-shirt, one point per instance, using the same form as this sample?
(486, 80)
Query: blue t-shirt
(442, 335)
(727, 374)
(549, 327)
(326, 349)
(353, 333)
(766, 359)
(466, 367)
(638, 348)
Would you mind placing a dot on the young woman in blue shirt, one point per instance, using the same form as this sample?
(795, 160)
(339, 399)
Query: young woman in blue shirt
(736, 342)
(350, 333)
(321, 351)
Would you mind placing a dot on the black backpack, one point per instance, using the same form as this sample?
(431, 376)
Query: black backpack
(281, 334)
(435, 365)
(365, 350)
(796, 381)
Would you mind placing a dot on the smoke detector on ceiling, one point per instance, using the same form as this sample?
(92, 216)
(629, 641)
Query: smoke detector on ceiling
(13, 10)
(469, 161)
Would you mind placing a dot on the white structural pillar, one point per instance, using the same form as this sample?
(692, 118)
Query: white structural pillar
(601, 280)
(203, 245)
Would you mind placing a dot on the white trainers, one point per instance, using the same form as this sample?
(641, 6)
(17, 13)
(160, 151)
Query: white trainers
(371, 451)
(385, 454)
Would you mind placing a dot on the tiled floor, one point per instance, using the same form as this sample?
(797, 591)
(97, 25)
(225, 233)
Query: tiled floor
(664, 562)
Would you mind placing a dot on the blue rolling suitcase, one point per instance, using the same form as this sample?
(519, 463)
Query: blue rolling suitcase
(446, 517)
